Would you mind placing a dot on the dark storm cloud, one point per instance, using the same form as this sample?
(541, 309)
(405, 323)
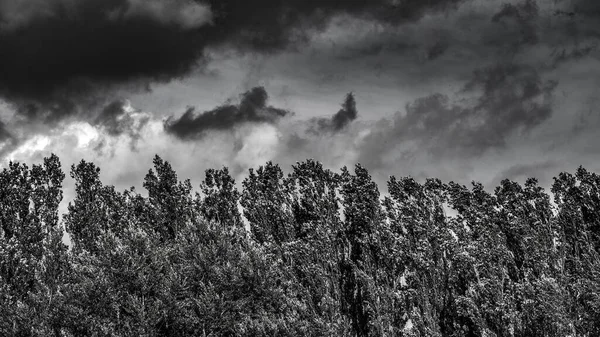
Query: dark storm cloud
(509, 98)
(512, 97)
(4, 134)
(7, 140)
(338, 121)
(437, 50)
(518, 20)
(579, 23)
(573, 53)
(253, 108)
(116, 120)
(273, 24)
(479, 33)
(109, 117)
(56, 55)
(579, 20)
(587, 8)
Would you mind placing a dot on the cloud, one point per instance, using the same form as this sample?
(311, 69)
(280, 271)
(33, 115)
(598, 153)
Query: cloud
(507, 99)
(4, 134)
(252, 108)
(436, 50)
(7, 140)
(66, 58)
(572, 53)
(118, 117)
(255, 145)
(61, 54)
(187, 14)
(338, 121)
(585, 8)
(577, 24)
(519, 21)
(272, 24)
(62, 57)
(122, 167)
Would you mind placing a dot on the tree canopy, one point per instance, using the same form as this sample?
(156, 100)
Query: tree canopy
(309, 253)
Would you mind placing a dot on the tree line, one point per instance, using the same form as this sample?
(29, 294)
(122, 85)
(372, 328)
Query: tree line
(325, 255)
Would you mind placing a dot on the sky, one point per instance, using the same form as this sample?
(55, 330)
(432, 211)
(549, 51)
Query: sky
(460, 90)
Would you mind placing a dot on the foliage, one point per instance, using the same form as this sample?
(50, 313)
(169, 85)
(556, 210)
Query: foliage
(311, 253)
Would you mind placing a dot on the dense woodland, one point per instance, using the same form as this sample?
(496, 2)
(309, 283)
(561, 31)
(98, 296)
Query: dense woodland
(325, 255)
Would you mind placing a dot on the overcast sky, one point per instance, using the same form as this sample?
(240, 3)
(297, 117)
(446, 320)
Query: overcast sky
(457, 89)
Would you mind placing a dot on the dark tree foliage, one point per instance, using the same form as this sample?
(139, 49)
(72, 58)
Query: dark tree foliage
(267, 205)
(310, 253)
(34, 264)
(169, 198)
(220, 202)
(361, 252)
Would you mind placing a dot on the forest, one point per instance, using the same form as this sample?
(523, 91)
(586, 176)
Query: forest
(311, 252)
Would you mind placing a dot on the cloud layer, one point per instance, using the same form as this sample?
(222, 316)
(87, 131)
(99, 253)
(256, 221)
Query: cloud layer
(461, 90)
(59, 57)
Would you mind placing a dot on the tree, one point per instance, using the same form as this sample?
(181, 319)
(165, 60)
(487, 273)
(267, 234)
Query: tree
(170, 199)
(483, 294)
(220, 203)
(526, 220)
(578, 201)
(33, 260)
(361, 255)
(96, 209)
(324, 256)
(421, 248)
(267, 205)
(316, 252)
